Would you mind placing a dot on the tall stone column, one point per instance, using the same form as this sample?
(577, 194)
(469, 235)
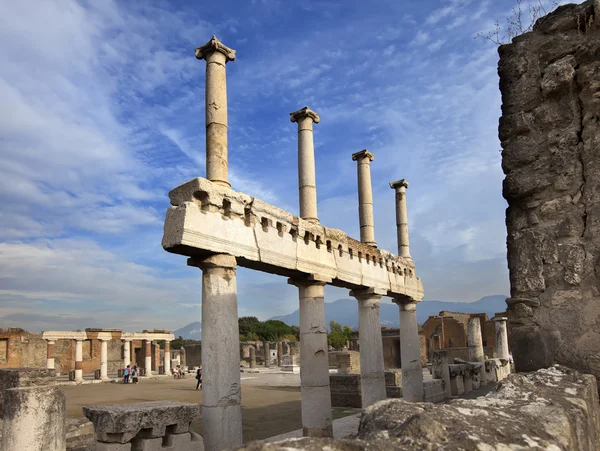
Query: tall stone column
(252, 357)
(401, 217)
(475, 341)
(221, 398)
(279, 352)
(103, 359)
(167, 357)
(79, 360)
(410, 353)
(126, 353)
(148, 358)
(372, 371)
(502, 350)
(307, 180)
(267, 353)
(216, 55)
(314, 363)
(365, 197)
(50, 355)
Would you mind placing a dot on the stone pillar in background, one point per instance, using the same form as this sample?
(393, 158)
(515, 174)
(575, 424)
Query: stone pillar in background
(126, 353)
(252, 357)
(372, 371)
(79, 360)
(502, 351)
(103, 359)
(314, 363)
(50, 355)
(306, 163)
(410, 353)
(167, 357)
(475, 341)
(365, 197)
(401, 217)
(279, 352)
(216, 55)
(267, 352)
(148, 357)
(37, 419)
(221, 396)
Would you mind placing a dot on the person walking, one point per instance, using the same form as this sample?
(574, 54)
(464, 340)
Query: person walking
(199, 378)
(134, 374)
(126, 372)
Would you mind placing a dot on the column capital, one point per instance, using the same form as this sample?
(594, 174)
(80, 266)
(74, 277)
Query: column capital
(302, 113)
(368, 293)
(312, 279)
(214, 261)
(50, 342)
(406, 306)
(399, 184)
(362, 155)
(214, 45)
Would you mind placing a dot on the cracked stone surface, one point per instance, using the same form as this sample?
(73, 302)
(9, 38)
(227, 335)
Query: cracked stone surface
(550, 409)
(550, 135)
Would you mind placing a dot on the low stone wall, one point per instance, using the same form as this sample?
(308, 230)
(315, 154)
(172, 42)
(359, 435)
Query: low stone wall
(345, 390)
(80, 434)
(146, 426)
(555, 408)
(346, 362)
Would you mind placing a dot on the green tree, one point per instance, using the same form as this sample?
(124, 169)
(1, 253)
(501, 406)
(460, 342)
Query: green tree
(338, 335)
(248, 325)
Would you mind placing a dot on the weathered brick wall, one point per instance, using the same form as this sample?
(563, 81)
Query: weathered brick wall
(550, 134)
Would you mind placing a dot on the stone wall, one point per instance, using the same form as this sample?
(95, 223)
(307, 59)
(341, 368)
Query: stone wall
(193, 355)
(19, 348)
(550, 135)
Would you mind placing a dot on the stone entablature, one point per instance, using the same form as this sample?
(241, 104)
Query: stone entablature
(152, 336)
(64, 335)
(207, 218)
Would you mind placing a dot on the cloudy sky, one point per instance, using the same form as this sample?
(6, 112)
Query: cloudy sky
(102, 113)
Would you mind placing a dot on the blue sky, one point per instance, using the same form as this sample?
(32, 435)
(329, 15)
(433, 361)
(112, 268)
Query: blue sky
(102, 113)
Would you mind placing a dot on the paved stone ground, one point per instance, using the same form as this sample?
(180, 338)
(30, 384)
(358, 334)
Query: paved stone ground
(270, 402)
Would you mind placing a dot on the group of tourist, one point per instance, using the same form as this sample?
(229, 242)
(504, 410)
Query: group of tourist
(178, 373)
(130, 374)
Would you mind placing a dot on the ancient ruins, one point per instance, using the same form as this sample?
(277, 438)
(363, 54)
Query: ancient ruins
(549, 80)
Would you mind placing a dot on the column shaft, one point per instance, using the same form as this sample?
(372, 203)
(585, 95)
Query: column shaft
(279, 352)
(252, 357)
(502, 350)
(221, 399)
(401, 217)
(148, 357)
(167, 357)
(372, 372)
(314, 363)
(267, 353)
(365, 197)
(50, 356)
(410, 353)
(103, 359)
(78, 360)
(126, 353)
(474, 340)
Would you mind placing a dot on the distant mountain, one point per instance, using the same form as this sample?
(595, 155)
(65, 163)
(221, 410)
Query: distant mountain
(345, 311)
(192, 331)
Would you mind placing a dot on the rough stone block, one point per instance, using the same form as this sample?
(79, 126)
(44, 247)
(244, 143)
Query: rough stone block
(119, 423)
(80, 434)
(433, 391)
(34, 419)
(24, 377)
(101, 446)
(345, 390)
(393, 378)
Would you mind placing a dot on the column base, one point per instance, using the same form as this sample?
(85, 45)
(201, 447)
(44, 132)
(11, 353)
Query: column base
(78, 375)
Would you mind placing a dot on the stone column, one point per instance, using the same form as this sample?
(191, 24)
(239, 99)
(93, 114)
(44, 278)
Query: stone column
(410, 353)
(104, 359)
(216, 55)
(126, 353)
(50, 356)
(167, 357)
(365, 197)
(79, 360)
(148, 359)
(314, 363)
(474, 340)
(306, 163)
(267, 352)
(252, 357)
(279, 352)
(502, 350)
(401, 217)
(221, 398)
(372, 372)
